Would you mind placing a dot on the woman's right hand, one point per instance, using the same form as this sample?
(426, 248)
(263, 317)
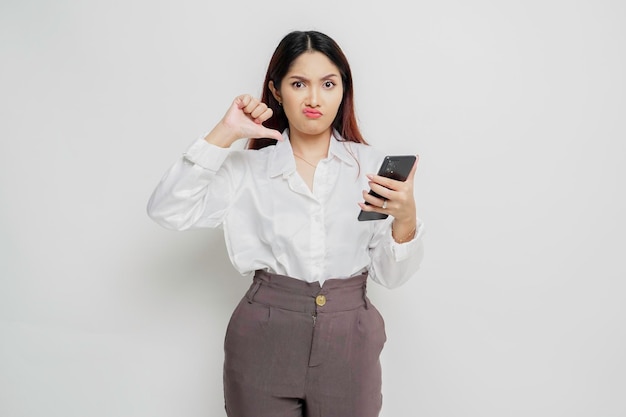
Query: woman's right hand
(244, 119)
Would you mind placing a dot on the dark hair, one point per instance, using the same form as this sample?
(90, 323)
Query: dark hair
(291, 47)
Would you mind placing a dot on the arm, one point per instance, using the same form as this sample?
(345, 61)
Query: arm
(393, 264)
(197, 189)
(397, 248)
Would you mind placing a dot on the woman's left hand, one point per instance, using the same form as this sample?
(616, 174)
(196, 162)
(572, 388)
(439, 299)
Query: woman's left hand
(398, 200)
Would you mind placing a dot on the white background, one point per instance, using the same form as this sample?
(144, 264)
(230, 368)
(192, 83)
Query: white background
(517, 109)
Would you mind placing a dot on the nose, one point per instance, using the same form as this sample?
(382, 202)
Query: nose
(313, 98)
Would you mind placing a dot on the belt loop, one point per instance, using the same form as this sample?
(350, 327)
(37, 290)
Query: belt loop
(365, 299)
(252, 291)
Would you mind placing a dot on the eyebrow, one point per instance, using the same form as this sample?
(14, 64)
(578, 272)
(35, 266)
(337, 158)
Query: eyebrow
(301, 78)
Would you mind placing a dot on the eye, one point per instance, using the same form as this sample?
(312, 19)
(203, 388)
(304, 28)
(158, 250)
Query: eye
(329, 84)
(298, 84)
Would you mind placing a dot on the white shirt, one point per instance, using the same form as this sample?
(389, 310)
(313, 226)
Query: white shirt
(273, 221)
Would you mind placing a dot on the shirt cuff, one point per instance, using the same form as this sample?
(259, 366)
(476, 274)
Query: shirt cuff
(402, 251)
(206, 155)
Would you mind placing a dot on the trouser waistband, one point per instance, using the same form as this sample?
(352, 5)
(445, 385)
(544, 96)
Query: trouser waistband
(337, 294)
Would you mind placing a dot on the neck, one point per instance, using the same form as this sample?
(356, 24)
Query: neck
(310, 146)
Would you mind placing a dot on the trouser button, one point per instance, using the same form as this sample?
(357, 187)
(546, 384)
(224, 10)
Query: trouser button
(320, 300)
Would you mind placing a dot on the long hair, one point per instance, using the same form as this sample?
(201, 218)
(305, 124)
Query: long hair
(291, 47)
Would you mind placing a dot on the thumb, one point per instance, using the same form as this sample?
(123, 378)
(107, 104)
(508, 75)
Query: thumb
(272, 133)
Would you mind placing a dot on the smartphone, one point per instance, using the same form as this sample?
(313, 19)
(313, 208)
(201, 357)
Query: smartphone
(396, 167)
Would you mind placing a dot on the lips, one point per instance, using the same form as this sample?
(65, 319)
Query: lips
(311, 113)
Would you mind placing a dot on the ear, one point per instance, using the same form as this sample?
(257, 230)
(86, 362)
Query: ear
(274, 91)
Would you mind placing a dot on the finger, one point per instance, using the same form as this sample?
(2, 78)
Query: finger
(367, 207)
(263, 132)
(272, 134)
(252, 104)
(372, 208)
(258, 110)
(373, 200)
(384, 181)
(242, 100)
(384, 192)
(264, 116)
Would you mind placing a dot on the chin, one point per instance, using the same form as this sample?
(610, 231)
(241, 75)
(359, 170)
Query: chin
(313, 130)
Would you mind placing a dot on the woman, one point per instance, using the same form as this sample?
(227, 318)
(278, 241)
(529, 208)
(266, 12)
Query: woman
(305, 339)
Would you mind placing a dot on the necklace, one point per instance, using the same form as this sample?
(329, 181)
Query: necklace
(298, 156)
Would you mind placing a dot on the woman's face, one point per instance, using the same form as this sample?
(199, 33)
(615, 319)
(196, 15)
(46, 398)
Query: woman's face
(311, 93)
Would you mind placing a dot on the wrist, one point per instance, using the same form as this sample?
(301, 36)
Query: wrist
(403, 232)
(221, 136)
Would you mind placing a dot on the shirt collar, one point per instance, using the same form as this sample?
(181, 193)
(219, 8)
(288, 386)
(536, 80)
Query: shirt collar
(341, 149)
(282, 161)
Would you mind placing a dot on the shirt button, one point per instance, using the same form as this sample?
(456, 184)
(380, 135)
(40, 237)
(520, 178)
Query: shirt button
(320, 300)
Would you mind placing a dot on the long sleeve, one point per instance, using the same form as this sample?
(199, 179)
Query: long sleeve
(392, 263)
(197, 189)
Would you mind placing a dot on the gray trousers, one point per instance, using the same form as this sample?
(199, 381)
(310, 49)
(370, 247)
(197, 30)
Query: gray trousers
(295, 349)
